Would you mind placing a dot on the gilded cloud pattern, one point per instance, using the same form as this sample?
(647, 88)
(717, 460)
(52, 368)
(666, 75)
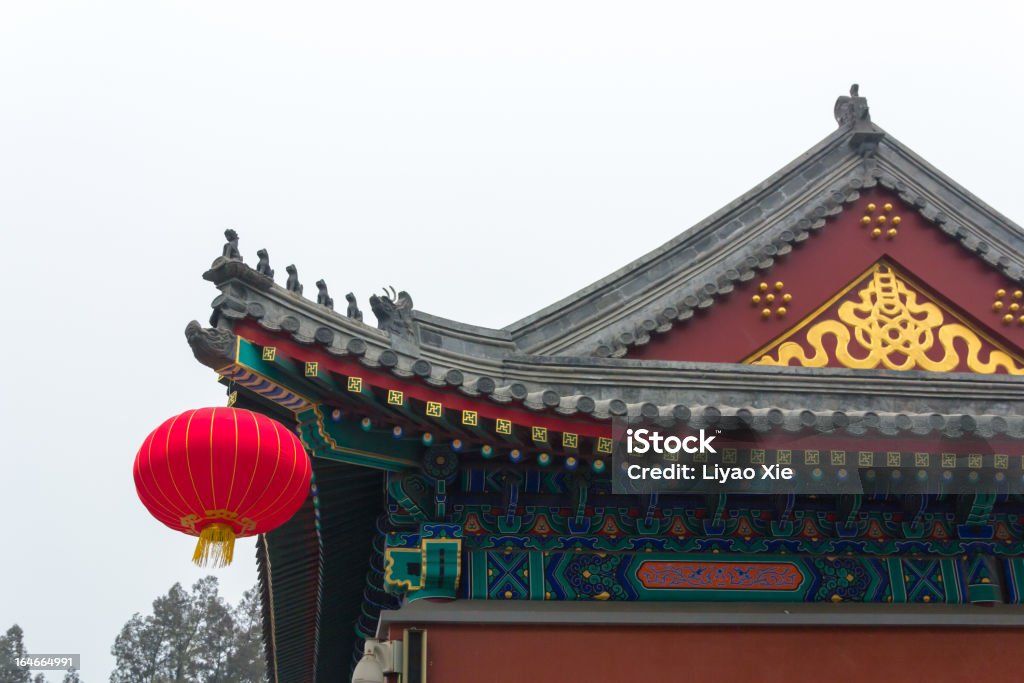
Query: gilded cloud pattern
(888, 328)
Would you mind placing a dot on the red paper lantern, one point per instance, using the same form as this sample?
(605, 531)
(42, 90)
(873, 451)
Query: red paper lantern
(221, 473)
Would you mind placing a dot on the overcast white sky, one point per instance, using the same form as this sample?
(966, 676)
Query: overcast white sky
(488, 158)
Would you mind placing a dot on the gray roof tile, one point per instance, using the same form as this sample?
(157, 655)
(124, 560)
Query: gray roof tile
(567, 357)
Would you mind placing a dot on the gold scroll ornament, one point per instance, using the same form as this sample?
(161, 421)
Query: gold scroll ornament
(889, 328)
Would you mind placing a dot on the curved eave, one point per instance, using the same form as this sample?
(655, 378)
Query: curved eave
(701, 394)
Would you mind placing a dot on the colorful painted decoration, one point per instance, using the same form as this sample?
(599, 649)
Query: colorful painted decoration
(220, 474)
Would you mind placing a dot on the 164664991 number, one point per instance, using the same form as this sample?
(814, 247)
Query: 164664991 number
(66, 662)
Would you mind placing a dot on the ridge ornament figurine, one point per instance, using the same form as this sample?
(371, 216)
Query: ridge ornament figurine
(322, 297)
(263, 266)
(293, 284)
(353, 308)
(394, 312)
(231, 252)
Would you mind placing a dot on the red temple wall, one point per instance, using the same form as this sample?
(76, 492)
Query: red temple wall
(561, 654)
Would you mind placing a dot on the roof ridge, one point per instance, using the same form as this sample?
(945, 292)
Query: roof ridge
(704, 231)
(992, 236)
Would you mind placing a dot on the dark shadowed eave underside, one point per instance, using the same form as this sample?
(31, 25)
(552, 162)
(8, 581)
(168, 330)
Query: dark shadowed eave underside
(312, 584)
(288, 563)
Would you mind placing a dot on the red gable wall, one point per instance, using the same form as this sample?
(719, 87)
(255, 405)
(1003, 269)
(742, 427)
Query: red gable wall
(733, 328)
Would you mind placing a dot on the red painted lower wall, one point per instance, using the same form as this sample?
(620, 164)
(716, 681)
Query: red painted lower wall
(557, 654)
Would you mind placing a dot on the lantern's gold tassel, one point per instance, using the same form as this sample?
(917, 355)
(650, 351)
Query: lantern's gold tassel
(216, 546)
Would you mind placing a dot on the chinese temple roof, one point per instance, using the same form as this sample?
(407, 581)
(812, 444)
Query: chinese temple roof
(704, 263)
(586, 355)
(677, 336)
(655, 293)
